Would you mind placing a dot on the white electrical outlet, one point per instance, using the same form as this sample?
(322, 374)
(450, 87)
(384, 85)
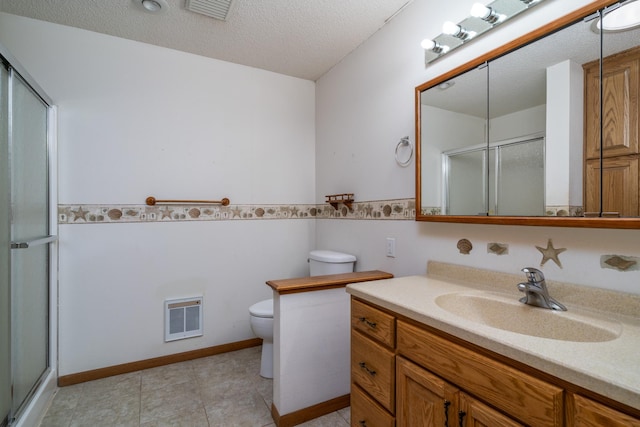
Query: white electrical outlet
(391, 247)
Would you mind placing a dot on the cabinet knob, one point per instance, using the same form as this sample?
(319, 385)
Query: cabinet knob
(362, 423)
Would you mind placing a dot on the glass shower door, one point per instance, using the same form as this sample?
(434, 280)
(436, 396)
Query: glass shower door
(30, 240)
(466, 183)
(5, 248)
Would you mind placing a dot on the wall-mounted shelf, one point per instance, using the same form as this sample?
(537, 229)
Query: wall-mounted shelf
(335, 199)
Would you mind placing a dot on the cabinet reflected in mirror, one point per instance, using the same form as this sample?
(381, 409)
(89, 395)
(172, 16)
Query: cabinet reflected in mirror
(515, 138)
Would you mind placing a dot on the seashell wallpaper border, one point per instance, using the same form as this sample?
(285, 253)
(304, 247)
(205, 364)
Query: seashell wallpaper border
(550, 210)
(399, 209)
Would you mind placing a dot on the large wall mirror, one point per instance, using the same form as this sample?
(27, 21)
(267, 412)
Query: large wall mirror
(520, 135)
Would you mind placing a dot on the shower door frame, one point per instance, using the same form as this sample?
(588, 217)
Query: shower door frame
(36, 403)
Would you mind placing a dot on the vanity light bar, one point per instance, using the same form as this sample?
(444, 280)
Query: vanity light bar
(482, 19)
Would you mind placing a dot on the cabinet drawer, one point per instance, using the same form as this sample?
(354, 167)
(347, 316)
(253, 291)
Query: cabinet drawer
(526, 398)
(373, 323)
(365, 412)
(373, 369)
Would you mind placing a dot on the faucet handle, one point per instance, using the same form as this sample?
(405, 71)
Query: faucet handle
(533, 274)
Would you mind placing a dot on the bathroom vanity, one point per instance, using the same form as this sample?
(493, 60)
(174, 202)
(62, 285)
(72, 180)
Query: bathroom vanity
(457, 348)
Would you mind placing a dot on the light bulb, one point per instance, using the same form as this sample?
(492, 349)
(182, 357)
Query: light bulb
(428, 44)
(479, 10)
(457, 31)
(450, 28)
(486, 13)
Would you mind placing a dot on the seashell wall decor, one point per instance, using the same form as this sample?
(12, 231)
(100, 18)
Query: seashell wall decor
(464, 246)
(115, 214)
(497, 248)
(620, 262)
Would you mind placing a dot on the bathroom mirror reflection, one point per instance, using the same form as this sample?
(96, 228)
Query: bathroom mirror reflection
(511, 138)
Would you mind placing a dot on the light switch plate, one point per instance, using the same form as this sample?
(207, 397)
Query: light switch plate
(391, 247)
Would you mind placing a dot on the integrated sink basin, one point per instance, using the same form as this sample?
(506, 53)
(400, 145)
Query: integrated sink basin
(508, 314)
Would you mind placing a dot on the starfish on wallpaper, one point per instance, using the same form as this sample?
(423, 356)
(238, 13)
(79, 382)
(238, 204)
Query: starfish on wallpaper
(79, 214)
(550, 253)
(237, 212)
(166, 212)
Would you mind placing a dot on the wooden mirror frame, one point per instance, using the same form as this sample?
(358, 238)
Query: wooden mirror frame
(547, 221)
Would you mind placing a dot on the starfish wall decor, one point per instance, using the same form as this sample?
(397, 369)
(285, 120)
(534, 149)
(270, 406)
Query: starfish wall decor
(550, 253)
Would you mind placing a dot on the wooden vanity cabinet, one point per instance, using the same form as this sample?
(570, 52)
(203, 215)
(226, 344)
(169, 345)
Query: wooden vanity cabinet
(423, 378)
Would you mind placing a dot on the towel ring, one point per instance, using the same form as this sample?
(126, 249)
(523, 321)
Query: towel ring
(404, 142)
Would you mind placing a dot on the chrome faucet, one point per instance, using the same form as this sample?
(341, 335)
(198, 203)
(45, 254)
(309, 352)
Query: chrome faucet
(535, 290)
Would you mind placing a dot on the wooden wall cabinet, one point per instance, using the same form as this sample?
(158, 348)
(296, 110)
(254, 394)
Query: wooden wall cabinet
(620, 141)
(438, 382)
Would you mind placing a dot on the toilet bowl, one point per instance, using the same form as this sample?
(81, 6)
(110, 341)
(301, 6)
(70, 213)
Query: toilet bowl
(261, 318)
(261, 313)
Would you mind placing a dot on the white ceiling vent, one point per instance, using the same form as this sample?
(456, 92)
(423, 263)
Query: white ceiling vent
(218, 9)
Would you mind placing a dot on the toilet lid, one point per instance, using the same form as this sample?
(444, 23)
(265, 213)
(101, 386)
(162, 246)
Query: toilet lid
(262, 308)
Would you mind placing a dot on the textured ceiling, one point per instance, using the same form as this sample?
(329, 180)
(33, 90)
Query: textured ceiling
(300, 38)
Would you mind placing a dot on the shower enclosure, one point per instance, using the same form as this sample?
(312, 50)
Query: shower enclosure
(27, 238)
(504, 178)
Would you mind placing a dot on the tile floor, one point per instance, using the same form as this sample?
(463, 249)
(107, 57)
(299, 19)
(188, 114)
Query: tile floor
(223, 390)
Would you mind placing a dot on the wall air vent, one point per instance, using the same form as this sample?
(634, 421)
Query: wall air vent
(218, 9)
(183, 318)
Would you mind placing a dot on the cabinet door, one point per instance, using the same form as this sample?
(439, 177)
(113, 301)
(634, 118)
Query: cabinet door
(476, 414)
(423, 399)
(587, 413)
(620, 80)
(619, 186)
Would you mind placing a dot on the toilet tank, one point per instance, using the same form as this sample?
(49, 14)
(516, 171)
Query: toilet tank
(322, 262)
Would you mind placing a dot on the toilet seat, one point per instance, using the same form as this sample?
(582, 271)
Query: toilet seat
(262, 309)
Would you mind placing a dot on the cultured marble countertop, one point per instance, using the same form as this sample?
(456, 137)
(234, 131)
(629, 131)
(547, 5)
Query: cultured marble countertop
(610, 368)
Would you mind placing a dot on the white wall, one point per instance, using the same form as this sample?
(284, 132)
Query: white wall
(448, 130)
(518, 124)
(138, 120)
(565, 89)
(366, 103)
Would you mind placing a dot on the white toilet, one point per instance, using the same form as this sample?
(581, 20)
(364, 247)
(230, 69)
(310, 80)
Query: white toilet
(321, 262)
